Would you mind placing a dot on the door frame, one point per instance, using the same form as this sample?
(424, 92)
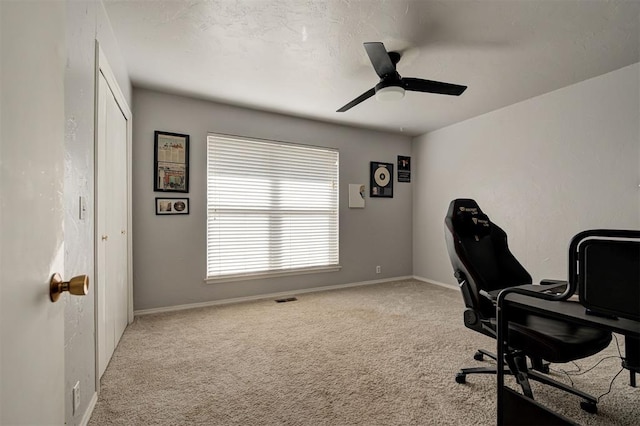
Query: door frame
(103, 67)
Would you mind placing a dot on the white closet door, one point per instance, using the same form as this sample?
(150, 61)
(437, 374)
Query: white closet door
(117, 218)
(104, 349)
(111, 221)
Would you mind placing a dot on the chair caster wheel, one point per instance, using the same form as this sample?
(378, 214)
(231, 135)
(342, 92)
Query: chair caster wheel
(461, 378)
(478, 356)
(589, 407)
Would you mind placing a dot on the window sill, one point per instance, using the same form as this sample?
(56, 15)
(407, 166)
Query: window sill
(275, 274)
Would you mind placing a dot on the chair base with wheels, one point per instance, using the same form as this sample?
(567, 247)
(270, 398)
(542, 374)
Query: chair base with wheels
(526, 368)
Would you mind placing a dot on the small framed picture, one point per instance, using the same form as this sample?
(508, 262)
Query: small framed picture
(172, 206)
(171, 160)
(404, 169)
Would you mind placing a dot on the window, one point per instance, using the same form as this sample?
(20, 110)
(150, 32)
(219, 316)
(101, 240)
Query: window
(272, 208)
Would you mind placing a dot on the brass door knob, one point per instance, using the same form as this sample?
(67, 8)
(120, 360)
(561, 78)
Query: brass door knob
(78, 286)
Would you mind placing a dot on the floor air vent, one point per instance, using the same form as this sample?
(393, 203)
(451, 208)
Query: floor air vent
(287, 299)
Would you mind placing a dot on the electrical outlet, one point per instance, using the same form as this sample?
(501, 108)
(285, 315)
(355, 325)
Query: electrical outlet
(76, 397)
(378, 269)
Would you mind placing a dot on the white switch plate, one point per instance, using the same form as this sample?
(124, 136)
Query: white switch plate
(82, 208)
(76, 397)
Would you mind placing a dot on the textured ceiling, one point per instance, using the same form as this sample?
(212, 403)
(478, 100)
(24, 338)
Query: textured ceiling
(306, 58)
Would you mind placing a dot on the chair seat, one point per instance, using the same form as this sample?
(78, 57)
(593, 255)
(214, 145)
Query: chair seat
(556, 341)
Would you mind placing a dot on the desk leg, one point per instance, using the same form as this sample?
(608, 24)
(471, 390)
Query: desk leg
(632, 358)
(502, 331)
(500, 335)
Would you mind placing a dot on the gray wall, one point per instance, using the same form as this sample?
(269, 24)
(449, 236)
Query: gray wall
(170, 251)
(86, 21)
(543, 169)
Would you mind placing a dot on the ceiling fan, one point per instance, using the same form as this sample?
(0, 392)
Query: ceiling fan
(391, 85)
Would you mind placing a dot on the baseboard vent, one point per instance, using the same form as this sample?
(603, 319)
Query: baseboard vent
(286, 299)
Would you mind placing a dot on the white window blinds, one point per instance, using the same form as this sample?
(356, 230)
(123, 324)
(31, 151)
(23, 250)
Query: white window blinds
(272, 207)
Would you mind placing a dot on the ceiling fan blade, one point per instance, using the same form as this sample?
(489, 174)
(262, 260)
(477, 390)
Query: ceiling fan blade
(379, 58)
(420, 85)
(366, 95)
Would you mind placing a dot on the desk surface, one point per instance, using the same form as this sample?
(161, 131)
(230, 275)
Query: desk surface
(573, 310)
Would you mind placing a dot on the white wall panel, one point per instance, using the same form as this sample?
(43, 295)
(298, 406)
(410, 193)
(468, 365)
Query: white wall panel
(543, 169)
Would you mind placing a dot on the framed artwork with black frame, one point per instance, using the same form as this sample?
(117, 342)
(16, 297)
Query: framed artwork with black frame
(404, 168)
(168, 206)
(171, 162)
(381, 181)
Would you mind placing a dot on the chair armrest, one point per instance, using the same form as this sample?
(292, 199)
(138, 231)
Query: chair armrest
(550, 282)
(490, 295)
(526, 289)
(554, 287)
(558, 292)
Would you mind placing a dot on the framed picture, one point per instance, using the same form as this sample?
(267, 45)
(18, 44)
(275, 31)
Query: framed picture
(404, 169)
(381, 182)
(171, 162)
(172, 206)
(356, 196)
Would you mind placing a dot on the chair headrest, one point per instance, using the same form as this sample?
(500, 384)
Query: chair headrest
(468, 220)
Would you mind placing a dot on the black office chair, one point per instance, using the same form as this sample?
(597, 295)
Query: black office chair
(483, 266)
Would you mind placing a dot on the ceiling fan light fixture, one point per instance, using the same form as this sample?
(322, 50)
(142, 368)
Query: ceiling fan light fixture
(390, 93)
(391, 86)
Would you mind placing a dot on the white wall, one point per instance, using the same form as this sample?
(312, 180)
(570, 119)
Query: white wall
(543, 169)
(86, 21)
(170, 251)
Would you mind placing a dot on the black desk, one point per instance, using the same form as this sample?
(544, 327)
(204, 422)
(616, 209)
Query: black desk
(569, 310)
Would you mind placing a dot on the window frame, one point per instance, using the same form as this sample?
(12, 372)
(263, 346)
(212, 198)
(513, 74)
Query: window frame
(272, 273)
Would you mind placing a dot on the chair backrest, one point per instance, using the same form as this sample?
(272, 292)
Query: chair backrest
(480, 255)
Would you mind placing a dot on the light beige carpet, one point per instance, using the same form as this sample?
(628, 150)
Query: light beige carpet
(383, 354)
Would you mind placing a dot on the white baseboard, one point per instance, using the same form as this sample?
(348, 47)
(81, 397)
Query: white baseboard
(89, 412)
(430, 281)
(264, 296)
